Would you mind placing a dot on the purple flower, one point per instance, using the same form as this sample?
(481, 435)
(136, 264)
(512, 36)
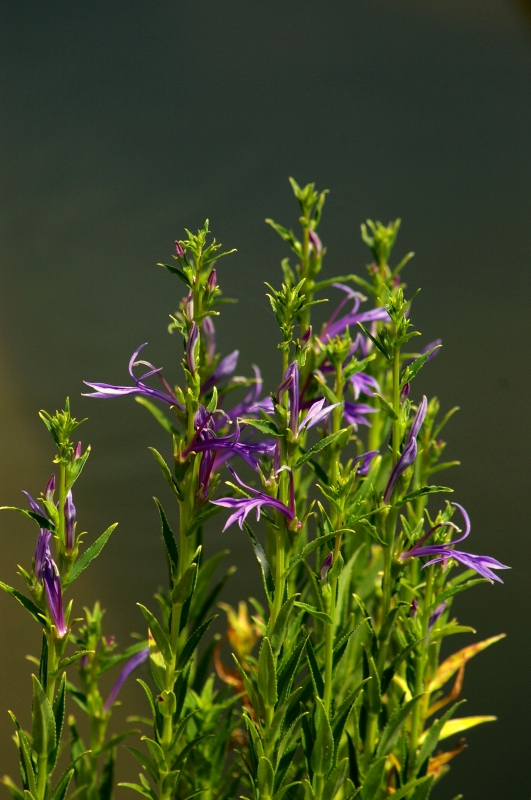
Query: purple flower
(77, 451)
(335, 327)
(361, 382)
(437, 612)
(435, 344)
(317, 411)
(35, 507)
(306, 336)
(405, 392)
(242, 506)
(70, 521)
(409, 452)
(413, 608)
(250, 404)
(206, 441)
(131, 665)
(224, 369)
(50, 489)
(42, 552)
(106, 390)
(179, 249)
(54, 595)
(210, 337)
(354, 413)
(483, 565)
(326, 566)
(364, 461)
(191, 344)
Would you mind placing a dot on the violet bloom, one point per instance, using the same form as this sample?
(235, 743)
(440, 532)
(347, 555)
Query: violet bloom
(251, 402)
(131, 665)
(435, 344)
(335, 327)
(179, 249)
(354, 413)
(242, 506)
(224, 370)
(363, 383)
(413, 608)
(78, 451)
(409, 452)
(326, 566)
(206, 441)
(42, 552)
(106, 390)
(70, 521)
(212, 281)
(436, 614)
(405, 391)
(483, 565)
(364, 461)
(306, 336)
(54, 594)
(35, 507)
(191, 344)
(317, 411)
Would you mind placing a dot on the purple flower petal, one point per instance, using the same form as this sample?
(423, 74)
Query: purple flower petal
(131, 665)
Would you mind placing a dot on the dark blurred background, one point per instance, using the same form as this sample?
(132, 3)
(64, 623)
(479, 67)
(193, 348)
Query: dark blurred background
(124, 122)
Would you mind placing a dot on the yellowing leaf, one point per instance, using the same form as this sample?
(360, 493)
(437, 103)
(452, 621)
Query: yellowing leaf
(452, 664)
(458, 725)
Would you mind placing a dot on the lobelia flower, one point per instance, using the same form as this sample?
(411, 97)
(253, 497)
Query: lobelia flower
(224, 369)
(316, 244)
(70, 521)
(107, 390)
(212, 282)
(242, 506)
(77, 451)
(54, 594)
(364, 460)
(409, 452)
(354, 413)
(405, 392)
(317, 411)
(131, 665)
(335, 327)
(179, 249)
(361, 382)
(413, 608)
(483, 565)
(42, 552)
(206, 441)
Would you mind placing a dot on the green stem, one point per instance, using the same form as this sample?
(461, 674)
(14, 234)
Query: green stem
(420, 664)
(42, 768)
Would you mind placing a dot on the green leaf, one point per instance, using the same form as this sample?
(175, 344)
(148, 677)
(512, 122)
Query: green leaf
(372, 692)
(28, 604)
(190, 646)
(311, 546)
(146, 762)
(379, 346)
(166, 472)
(59, 718)
(373, 780)
(432, 738)
(321, 615)
(455, 590)
(202, 518)
(265, 426)
(158, 634)
(42, 522)
(25, 756)
(337, 779)
(43, 724)
(315, 672)
(106, 784)
(318, 447)
(161, 418)
(89, 555)
(65, 662)
(385, 406)
(392, 730)
(180, 274)
(61, 787)
(260, 556)
(412, 369)
(420, 492)
(416, 784)
(279, 629)
(322, 757)
(183, 587)
(267, 679)
(266, 777)
(389, 671)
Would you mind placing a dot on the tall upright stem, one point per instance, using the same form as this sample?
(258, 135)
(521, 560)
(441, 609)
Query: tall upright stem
(420, 665)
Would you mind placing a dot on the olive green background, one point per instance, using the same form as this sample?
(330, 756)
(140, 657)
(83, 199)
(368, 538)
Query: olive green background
(124, 122)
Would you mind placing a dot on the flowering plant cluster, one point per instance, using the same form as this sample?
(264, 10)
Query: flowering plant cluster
(334, 688)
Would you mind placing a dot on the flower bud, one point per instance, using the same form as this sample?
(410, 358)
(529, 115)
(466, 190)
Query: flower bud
(316, 244)
(179, 249)
(326, 566)
(42, 551)
(212, 281)
(193, 338)
(413, 608)
(70, 521)
(306, 336)
(78, 451)
(50, 489)
(405, 391)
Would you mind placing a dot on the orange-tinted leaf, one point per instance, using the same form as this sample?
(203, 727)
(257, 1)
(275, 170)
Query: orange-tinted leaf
(452, 664)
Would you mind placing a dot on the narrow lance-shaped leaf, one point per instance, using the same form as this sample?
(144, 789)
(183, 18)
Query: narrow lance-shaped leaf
(89, 555)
